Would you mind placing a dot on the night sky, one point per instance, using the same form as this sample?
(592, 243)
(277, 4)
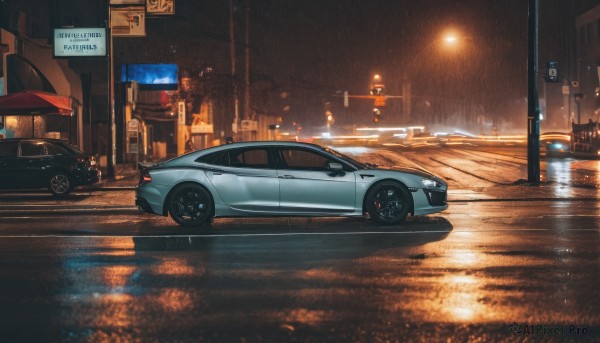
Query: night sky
(311, 49)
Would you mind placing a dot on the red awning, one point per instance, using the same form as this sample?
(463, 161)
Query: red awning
(35, 102)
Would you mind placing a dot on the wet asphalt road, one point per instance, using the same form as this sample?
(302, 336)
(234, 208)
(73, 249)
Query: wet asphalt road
(467, 274)
(503, 263)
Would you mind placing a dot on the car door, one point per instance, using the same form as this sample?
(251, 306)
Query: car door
(33, 164)
(307, 185)
(245, 179)
(8, 157)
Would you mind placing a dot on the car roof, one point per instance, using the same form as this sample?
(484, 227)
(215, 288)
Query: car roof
(272, 143)
(195, 154)
(260, 144)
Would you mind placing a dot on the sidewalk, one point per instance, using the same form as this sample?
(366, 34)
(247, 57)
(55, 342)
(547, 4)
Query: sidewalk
(126, 176)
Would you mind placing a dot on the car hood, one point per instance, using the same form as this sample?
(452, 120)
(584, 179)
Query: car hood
(414, 171)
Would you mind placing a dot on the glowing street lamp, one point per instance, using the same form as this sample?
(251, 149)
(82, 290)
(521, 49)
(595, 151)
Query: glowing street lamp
(447, 42)
(451, 39)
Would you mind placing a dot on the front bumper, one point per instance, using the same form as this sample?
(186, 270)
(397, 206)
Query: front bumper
(428, 201)
(436, 197)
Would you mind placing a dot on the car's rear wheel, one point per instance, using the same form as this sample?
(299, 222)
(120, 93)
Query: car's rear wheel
(388, 203)
(60, 184)
(190, 205)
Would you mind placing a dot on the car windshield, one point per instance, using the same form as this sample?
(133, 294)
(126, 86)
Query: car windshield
(67, 148)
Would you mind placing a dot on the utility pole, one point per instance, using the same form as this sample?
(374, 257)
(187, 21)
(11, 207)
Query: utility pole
(247, 83)
(533, 111)
(110, 154)
(236, 115)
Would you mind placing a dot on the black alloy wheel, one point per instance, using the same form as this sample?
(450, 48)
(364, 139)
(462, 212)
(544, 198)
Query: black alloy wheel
(60, 184)
(388, 203)
(190, 205)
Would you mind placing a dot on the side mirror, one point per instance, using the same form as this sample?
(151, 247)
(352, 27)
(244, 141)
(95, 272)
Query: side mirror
(336, 168)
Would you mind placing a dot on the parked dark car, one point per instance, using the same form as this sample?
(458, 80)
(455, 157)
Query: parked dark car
(28, 163)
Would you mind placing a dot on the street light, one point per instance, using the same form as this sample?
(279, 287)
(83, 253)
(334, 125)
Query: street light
(447, 41)
(377, 86)
(450, 39)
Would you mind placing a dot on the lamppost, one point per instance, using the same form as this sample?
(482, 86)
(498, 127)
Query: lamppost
(533, 112)
(448, 40)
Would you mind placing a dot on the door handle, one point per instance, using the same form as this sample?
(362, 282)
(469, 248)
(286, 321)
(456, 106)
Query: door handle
(286, 177)
(216, 171)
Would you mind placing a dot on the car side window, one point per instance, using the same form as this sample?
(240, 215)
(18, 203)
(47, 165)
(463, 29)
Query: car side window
(303, 160)
(249, 158)
(241, 158)
(219, 158)
(32, 148)
(52, 150)
(9, 149)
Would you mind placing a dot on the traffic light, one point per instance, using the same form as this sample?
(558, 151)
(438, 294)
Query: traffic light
(377, 86)
(377, 90)
(376, 115)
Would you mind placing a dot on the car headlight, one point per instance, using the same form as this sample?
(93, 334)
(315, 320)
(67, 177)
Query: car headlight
(431, 183)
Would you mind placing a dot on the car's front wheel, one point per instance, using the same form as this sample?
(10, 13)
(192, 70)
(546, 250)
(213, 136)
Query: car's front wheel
(190, 205)
(388, 203)
(60, 184)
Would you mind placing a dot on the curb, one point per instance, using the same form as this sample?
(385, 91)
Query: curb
(108, 188)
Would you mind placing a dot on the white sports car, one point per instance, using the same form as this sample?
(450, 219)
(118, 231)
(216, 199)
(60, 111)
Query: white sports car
(283, 179)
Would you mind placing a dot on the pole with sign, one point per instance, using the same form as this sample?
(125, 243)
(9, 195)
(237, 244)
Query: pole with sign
(133, 139)
(533, 111)
(551, 74)
(182, 132)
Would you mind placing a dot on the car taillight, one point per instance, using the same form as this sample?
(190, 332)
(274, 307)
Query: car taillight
(145, 177)
(86, 161)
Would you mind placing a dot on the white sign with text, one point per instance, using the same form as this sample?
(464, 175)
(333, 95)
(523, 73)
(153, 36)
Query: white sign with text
(80, 42)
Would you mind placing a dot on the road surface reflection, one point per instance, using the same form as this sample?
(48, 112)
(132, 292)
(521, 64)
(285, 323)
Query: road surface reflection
(570, 173)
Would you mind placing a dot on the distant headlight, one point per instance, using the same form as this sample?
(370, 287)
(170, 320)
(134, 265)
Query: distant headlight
(431, 183)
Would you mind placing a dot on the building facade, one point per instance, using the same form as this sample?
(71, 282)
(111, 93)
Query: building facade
(588, 64)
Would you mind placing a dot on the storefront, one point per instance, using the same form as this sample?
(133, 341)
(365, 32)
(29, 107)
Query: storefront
(28, 65)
